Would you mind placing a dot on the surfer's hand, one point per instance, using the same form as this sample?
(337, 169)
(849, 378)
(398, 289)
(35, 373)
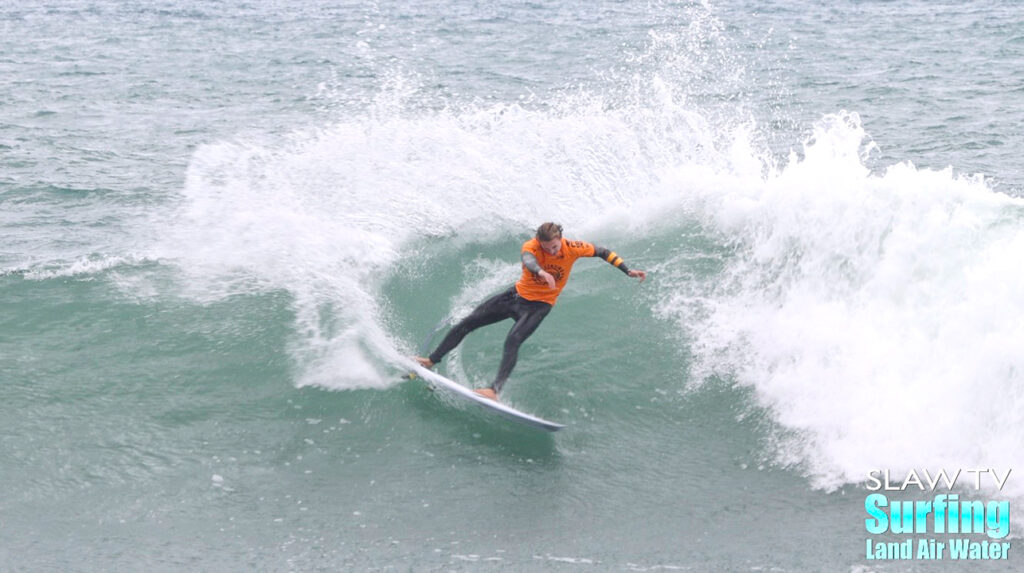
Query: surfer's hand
(638, 275)
(547, 278)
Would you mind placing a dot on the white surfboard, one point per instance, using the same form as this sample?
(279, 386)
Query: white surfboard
(438, 381)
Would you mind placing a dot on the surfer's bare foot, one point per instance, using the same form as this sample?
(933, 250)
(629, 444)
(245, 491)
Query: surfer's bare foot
(424, 362)
(487, 393)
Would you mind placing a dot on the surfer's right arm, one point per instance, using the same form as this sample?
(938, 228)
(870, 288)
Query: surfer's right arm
(531, 264)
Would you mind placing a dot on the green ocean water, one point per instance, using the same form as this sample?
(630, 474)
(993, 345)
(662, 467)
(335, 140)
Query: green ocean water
(199, 453)
(225, 223)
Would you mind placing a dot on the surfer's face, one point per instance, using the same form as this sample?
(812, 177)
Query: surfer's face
(552, 247)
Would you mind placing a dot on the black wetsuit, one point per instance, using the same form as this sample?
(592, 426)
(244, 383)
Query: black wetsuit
(528, 315)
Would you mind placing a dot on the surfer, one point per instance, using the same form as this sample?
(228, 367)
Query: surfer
(547, 260)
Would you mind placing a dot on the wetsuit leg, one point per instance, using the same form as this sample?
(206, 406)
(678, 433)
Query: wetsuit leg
(495, 309)
(529, 316)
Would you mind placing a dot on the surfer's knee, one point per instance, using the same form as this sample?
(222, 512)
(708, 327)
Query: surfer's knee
(514, 340)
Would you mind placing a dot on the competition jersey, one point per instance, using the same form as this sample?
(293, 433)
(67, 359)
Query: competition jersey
(532, 287)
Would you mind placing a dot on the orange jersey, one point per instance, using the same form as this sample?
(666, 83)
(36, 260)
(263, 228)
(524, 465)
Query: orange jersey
(532, 287)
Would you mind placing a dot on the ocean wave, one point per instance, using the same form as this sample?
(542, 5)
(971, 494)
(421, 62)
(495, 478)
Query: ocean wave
(874, 316)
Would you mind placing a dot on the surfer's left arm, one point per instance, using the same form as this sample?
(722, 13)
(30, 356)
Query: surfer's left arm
(616, 261)
(532, 265)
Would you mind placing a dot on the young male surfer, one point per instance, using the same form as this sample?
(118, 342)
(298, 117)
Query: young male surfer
(547, 260)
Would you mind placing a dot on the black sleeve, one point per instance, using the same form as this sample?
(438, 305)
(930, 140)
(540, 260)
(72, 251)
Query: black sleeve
(612, 258)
